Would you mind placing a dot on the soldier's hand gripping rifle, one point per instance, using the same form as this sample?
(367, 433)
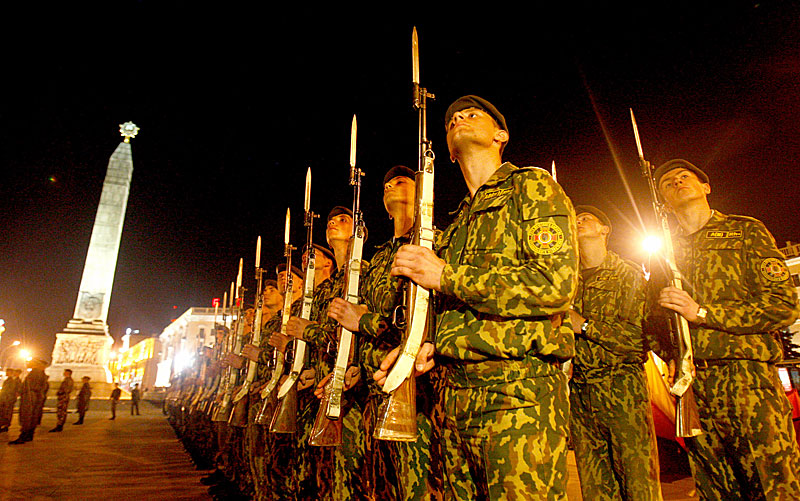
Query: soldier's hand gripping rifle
(328, 424)
(285, 419)
(239, 416)
(687, 420)
(397, 417)
(269, 394)
(225, 408)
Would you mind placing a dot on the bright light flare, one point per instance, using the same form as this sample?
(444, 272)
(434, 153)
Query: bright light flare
(183, 360)
(651, 244)
(25, 355)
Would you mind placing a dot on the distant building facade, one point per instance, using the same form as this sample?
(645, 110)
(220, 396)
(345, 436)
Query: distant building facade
(183, 339)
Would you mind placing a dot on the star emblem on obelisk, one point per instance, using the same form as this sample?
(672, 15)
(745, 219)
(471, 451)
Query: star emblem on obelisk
(128, 130)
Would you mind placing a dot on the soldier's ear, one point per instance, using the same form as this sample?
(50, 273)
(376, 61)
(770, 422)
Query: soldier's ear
(501, 136)
(706, 188)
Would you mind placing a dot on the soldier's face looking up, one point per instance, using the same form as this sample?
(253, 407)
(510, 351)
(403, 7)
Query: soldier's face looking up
(681, 186)
(340, 227)
(473, 127)
(398, 192)
(589, 226)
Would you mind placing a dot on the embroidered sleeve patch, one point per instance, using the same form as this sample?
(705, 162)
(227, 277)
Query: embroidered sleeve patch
(724, 234)
(774, 270)
(545, 238)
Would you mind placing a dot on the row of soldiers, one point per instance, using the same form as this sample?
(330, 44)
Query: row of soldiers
(523, 281)
(32, 394)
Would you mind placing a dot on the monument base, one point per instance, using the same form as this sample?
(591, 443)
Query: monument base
(84, 347)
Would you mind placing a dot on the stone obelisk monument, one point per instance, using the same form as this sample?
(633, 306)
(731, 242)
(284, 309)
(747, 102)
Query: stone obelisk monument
(84, 345)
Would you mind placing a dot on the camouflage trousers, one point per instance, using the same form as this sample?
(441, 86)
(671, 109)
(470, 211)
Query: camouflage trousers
(6, 412)
(400, 470)
(748, 449)
(347, 478)
(613, 436)
(505, 436)
(62, 404)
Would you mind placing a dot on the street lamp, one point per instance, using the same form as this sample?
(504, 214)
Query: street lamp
(4, 350)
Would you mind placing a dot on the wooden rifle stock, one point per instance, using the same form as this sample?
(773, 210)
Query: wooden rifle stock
(326, 431)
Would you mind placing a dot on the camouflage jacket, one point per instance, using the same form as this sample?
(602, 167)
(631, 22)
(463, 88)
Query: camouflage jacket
(733, 268)
(511, 270)
(322, 333)
(267, 350)
(380, 293)
(611, 298)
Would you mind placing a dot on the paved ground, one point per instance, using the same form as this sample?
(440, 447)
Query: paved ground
(139, 458)
(131, 458)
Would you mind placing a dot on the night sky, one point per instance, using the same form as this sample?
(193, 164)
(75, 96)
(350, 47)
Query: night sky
(235, 103)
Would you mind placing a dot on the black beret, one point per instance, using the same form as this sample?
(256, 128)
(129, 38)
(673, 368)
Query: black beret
(295, 270)
(339, 210)
(679, 163)
(397, 171)
(462, 103)
(270, 283)
(327, 253)
(591, 209)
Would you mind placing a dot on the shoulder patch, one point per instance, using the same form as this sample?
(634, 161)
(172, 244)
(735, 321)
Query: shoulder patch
(774, 270)
(724, 234)
(545, 238)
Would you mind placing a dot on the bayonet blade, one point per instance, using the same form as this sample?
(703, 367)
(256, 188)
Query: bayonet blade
(414, 56)
(239, 277)
(553, 171)
(353, 134)
(286, 231)
(636, 135)
(307, 199)
(258, 252)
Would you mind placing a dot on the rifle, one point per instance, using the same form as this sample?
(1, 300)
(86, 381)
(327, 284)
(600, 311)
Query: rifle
(225, 407)
(239, 416)
(687, 419)
(285, 418)
(268, 393)
(328, 424)
(397, 416)
(223, 348)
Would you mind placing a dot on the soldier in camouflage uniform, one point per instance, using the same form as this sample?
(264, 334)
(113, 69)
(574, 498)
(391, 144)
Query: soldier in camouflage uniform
(340, 472)
(396, 470)
(63, 394)
(33, 392)
(506, 274)
(737, 296)
(611, 420)
(8, 397)
(268, 454)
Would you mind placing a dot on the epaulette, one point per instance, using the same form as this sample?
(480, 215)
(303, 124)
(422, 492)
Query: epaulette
(748, 219)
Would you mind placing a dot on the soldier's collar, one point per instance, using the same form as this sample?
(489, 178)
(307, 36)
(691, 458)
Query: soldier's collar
(500, 175)
(715, 219)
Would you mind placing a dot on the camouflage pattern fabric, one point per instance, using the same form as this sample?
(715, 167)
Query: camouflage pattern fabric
(345, 479)
(611, 421)
(32, 395)
(748, 449)
(8, 398)
(395, 470)
(510, 275)
(62, 400)
(506, 440)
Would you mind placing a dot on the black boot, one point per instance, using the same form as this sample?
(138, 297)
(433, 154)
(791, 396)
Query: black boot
(57, 428)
